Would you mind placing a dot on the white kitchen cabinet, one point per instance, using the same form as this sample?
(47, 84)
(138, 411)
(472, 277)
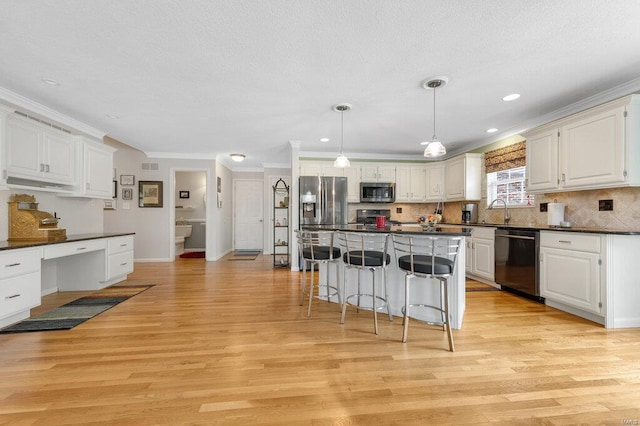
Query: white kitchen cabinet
(435, 182)
(542, 160)
(36, 151)
(97, 169)
(597, 148)
(479, 261)
(373, 172)
(119, 257)
(570, 270)
(462, 177)
(353, 183)
(19, 284)
(411, 183)
(319, 168)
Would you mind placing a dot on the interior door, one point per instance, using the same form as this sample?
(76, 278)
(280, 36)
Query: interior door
(248, 208)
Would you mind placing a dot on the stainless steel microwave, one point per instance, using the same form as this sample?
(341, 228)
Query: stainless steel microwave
(377, 192)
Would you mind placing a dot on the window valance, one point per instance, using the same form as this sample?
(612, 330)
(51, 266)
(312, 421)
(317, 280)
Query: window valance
(505, 158)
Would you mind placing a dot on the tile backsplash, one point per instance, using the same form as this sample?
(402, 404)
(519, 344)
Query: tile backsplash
(581, 209)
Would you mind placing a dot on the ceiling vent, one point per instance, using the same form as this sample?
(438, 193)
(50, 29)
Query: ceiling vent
(150, 166)
(46, 123)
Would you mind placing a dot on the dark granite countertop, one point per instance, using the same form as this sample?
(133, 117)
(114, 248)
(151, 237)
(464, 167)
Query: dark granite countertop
(414, 228)
(612, 231)
(12, 245)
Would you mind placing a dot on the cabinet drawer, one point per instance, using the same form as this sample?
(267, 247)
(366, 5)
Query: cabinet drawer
(14, 263)
(119, 244)
(119, 264)
(571, 241)
(19, 293)
(68, 249)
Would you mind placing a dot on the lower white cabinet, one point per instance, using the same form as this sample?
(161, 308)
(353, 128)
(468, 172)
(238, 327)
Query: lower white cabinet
(570, 270)
(479, 261)
(19, 284)
(119, 257)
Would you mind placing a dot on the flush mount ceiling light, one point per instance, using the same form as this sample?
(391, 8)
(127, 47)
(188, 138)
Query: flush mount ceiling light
(324, 139)
(492, 130)
(511, 97)
(342, 161)
(237, 157)
(434, 147)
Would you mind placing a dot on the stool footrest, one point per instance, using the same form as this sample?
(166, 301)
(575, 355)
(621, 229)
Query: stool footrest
(378, 298)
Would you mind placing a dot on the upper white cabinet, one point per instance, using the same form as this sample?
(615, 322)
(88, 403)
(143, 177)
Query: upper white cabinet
(371, 172)
(463, 178)
(411, 183)
(435, 182)
(353, 183)
(597, 148)
(35, 151)
(319, 168)
(96, 169)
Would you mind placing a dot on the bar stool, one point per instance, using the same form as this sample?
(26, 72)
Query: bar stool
(317, 248)
(421, 256)
(366, 251)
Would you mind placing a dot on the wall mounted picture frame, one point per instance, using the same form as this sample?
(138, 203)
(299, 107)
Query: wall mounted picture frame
(150, 193)
(184, 194)
(127, 193)
(127, 180)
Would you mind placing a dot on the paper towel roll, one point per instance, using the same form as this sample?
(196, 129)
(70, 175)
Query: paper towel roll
(555, 214)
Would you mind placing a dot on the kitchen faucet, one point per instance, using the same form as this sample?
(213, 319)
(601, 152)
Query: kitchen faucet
(507, 216)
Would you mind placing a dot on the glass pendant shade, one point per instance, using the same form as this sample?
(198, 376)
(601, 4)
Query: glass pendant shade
(341, 162)
(434, 149)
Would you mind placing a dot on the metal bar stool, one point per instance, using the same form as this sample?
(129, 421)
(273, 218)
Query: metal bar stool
(366, 251)
(424, 256)
(317, 248)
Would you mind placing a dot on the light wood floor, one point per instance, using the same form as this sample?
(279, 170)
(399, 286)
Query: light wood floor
(227, 343)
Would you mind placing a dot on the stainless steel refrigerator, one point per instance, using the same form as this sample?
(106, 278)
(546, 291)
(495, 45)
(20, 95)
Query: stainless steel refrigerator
(323, 200)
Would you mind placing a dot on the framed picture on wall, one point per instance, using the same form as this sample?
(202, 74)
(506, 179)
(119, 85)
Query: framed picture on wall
(150, 193)
(127, 193)
(184, 194)
(115, 189)
(127, 180)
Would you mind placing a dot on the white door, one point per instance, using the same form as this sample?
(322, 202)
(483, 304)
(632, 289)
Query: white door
(249, 223)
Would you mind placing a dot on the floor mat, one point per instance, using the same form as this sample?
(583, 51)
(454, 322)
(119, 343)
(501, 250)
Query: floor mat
(80, 310)
(193, 255)
(245, 254)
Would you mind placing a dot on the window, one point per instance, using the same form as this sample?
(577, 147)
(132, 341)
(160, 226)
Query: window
(509, 185)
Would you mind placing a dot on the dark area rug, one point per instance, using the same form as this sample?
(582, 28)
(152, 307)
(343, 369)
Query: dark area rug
(193, 255)
(245, 254)
(80, 310)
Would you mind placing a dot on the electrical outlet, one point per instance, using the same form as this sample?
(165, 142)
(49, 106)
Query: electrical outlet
(543, 207)
(398, 209)
(605, 205)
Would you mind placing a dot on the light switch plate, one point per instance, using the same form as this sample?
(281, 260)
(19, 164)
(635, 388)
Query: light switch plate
(605, 205)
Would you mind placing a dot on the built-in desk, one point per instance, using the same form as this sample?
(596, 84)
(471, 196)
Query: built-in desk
(30, 270)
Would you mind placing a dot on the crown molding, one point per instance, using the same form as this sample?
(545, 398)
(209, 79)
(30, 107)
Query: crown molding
(31, 107)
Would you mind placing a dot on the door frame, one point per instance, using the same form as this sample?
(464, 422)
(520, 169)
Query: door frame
(172, 210)
(234, 213)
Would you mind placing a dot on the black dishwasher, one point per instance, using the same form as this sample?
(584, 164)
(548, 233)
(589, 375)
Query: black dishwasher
(516, 262)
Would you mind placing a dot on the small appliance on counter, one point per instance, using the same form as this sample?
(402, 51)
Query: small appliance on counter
(470, 213)
(27, 223)
(555, 214)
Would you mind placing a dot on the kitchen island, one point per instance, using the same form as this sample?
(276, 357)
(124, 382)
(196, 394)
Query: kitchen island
(428, 292)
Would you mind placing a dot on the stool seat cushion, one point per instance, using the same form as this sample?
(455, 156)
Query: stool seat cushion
(371, 258)
(422, 264)
(321, 253)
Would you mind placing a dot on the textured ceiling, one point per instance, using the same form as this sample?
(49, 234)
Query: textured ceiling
(206, 78)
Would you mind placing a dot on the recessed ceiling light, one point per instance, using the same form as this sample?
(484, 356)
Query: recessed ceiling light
(50, 82)
(511, 97)
(237, 157)
(113, 116)
(492, 130)
(324, 139)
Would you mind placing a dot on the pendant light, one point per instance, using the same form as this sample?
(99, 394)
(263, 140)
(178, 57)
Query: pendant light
(434, 147)
(342, 161)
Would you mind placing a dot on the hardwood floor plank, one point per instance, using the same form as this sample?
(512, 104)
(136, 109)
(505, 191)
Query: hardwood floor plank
(227, 343)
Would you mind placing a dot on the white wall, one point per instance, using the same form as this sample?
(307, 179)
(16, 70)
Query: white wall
(153, 227)
(78, 215)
